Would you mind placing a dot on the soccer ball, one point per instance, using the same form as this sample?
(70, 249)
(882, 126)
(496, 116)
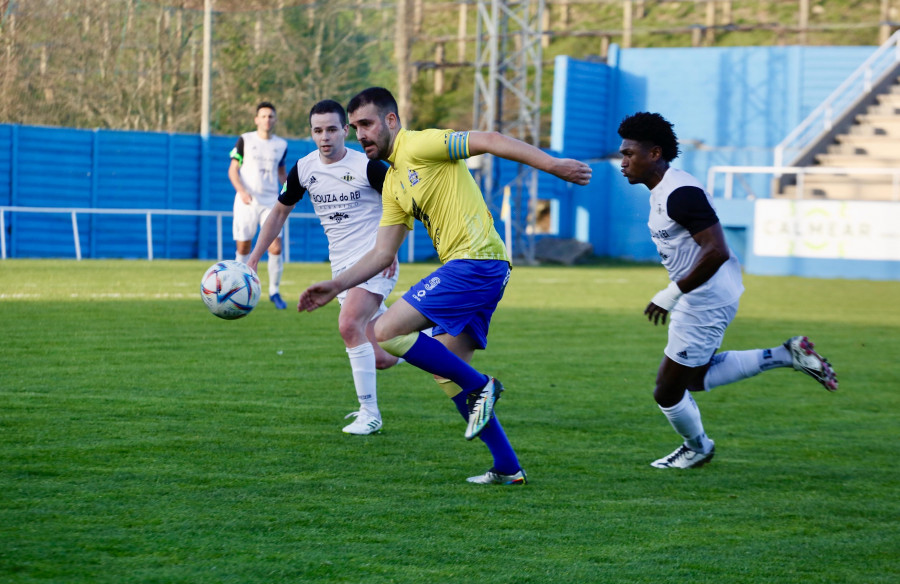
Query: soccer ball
(230, 289)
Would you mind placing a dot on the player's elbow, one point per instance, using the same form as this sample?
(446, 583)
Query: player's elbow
(484, 143)
(385, 259)
(379, 258)
(718, 256)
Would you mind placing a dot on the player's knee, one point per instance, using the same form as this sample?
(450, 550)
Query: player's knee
(351, 333)
(399, 345)
(384, 360)
(668, 395)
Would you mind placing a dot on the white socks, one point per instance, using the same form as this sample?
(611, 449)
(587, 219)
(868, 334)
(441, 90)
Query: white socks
(685, 418)
(276, 267)
(726, 368)
(732, 366)
(362, 362)
(242, 257)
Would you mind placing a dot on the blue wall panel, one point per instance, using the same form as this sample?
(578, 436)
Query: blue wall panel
(69, 168)
(133, 170)
(576, 111)
(818, 70)
(54, 167)
(729, 105)
(8, 151)
(741, 100)
(118, 236)
(625, 217)
(44, 236)
(53, 170)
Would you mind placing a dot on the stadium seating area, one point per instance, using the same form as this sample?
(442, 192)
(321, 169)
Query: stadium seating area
(872, 142)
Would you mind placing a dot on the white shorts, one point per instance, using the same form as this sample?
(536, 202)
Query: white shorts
(695, 336)
(248, 219)
(377, 284)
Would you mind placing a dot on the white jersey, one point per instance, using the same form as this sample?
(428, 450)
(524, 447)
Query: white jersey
(679, 208)
(260, 160)
(346, 195)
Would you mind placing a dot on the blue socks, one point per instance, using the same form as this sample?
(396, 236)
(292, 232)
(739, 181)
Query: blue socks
(430, 355)
(505, 460)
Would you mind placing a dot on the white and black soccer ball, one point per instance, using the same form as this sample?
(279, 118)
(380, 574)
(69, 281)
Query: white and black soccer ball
(230, 289)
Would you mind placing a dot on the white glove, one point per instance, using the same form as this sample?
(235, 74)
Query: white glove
(668, 297)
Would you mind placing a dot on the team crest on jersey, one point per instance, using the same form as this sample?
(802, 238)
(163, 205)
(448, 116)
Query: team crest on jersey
(413, 177)
(347, 177)
(338, 217)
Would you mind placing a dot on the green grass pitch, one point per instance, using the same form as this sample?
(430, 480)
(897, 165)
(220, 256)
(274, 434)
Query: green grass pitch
(144, 440)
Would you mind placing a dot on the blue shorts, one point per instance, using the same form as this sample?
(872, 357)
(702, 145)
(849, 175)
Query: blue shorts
(461, 297)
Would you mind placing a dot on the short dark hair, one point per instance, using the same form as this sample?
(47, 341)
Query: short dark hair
(380, 97)
(651, 129)
(329, 106)
(267, 104)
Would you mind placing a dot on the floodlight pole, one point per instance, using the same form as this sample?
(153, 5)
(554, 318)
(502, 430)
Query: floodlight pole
(205, 93)
(207, 69)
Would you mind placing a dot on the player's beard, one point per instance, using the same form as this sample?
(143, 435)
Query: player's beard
(382, 144)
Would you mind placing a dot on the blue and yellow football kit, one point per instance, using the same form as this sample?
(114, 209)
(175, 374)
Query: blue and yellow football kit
(429, 181)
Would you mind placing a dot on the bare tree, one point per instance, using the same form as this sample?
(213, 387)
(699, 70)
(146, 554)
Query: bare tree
(302, 57)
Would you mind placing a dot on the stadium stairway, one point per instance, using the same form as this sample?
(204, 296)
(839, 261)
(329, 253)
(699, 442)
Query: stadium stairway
(873, 141)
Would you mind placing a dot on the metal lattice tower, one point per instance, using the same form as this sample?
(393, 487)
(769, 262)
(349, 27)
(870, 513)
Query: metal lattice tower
(508, 68)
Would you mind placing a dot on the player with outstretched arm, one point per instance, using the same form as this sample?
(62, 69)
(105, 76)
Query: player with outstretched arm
(428, 181)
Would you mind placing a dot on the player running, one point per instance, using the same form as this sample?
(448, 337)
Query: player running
(428, 180)
(345, 190)
(703, 293)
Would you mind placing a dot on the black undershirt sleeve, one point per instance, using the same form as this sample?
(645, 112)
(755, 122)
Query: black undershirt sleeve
(239, 149)
(689, 207)
(293, 191)
(375, 172)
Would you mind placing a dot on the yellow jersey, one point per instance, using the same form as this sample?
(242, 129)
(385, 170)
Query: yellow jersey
(428, 180)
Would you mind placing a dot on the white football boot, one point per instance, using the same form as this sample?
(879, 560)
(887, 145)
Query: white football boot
(493, 477)
(808, 361)
(365, 423)
(684, 457)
